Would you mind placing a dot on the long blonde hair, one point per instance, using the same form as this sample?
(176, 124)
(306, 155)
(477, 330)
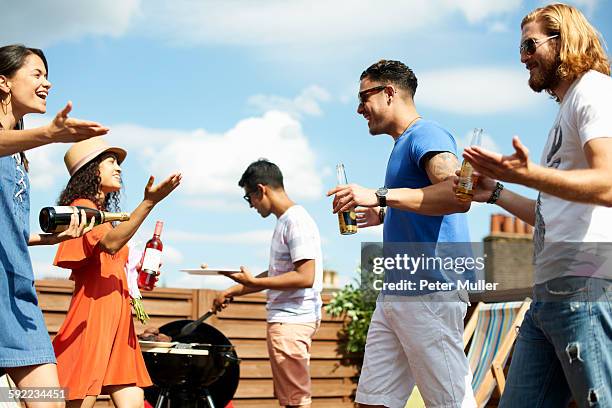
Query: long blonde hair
(581, 44)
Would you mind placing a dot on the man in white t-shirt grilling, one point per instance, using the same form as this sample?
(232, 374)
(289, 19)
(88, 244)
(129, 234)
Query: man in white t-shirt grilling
(294, 281)
(564, 348)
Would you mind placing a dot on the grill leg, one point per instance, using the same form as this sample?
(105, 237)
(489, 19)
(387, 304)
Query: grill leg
(163, 394)
(208, 398)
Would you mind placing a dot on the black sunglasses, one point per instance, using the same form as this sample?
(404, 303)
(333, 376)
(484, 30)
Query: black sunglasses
(247, 198)
(530, 45)
(366, 93)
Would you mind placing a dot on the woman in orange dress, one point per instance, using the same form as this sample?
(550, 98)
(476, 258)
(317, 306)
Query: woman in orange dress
(96, 347)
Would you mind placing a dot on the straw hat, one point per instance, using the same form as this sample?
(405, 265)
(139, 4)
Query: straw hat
(85, 151)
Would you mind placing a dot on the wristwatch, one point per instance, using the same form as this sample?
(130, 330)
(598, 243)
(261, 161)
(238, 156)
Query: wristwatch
(496, 193)
(381, 194)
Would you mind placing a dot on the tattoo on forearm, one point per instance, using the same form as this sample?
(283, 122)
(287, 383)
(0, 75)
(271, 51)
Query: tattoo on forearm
(441, 166)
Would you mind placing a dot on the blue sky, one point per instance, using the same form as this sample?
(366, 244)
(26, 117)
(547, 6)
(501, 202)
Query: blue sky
(206, 87)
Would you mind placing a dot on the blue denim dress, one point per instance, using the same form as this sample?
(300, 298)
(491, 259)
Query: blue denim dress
(24, 340)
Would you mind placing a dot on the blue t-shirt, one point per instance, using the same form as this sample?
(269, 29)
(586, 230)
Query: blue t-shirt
(404, 171)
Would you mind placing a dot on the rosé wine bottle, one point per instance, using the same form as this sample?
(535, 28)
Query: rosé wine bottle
(151, 260)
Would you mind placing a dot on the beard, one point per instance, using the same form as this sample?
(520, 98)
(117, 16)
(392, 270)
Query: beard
(545, 76)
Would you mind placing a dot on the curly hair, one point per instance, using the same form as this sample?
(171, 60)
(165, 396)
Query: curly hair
(85, 183)
(580, 43)
(394, 72)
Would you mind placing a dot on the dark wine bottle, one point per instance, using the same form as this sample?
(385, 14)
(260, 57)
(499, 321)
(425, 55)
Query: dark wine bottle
(151, 260)
(57, 219)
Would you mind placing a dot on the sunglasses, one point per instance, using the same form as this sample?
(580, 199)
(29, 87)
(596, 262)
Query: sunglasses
(366, 93)
(247, 198)
(530, 45)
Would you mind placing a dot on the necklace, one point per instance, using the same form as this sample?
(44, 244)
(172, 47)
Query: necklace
(412, 121)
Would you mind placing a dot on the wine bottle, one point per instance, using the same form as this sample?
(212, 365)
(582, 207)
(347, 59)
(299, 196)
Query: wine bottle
(347, 220)
(57, 219)
(467, 179)
(151, 260)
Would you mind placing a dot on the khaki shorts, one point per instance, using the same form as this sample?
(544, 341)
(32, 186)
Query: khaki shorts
(289, 350)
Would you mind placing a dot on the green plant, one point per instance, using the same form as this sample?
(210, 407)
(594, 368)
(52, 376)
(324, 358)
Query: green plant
(356, 302)
(350, 303)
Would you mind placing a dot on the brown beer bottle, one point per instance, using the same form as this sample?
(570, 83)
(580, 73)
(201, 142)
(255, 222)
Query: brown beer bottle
(467, 179)
(347, 220)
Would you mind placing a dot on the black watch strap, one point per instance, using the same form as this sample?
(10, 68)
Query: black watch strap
(381, 194)
(496, 193)
(381, 215)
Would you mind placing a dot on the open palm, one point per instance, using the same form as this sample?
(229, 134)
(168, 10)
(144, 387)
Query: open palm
(158, 192)
(512, 168)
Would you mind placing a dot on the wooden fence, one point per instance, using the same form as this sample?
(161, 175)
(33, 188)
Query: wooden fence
(244, 323)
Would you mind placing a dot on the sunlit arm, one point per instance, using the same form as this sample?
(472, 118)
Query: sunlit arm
(15, 141)
(591, 186)
(301, 277)
(437, 199)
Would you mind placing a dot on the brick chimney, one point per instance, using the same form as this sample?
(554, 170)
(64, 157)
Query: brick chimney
(509, 226)
(509, 250)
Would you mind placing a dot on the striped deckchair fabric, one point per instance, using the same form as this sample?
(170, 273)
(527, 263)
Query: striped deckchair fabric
(492, 329)
(6, 383)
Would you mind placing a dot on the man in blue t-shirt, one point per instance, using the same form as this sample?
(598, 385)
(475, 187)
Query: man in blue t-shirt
(414, 337)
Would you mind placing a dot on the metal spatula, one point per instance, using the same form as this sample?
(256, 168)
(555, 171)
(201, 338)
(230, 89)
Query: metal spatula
(190, 327)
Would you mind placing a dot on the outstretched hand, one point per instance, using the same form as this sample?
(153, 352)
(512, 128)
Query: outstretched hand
(513, 168)
(156, 193)
(67, 130)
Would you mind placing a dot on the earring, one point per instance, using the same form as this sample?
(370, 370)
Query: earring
(6, 104)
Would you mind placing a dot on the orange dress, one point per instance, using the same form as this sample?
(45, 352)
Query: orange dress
(97, 345)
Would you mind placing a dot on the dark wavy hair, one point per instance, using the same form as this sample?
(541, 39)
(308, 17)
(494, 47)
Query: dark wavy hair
(392, 72)
(85, 183)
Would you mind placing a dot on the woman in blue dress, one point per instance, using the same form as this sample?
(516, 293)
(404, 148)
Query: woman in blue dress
(26, 353)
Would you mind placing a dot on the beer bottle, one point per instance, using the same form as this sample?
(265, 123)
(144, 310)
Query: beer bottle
(57, 219)
(347, 220)
(467, 179)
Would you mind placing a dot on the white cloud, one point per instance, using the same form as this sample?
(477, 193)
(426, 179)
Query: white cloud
(172, 255)
(476, 90)
(479, 10)
(586, 6)
(306, 103)
(255, 237)
(498, 27)
(41, 23)
(46, 162)
(487, 142)
(303, 22)
(213, 163)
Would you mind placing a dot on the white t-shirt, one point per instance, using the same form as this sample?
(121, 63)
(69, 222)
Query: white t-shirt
(584, 114)
(296, 237)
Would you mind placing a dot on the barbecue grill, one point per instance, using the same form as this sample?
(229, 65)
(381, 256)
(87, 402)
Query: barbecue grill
(197, 371)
